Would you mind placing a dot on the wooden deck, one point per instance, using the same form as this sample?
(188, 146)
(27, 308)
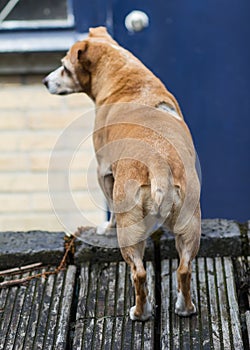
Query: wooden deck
(86, 307)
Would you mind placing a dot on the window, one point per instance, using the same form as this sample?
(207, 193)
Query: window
(34, 14)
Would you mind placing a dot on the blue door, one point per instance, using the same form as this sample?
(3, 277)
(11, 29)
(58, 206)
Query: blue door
(201, 51)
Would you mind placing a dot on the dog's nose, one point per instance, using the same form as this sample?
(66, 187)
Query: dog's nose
(45, 82)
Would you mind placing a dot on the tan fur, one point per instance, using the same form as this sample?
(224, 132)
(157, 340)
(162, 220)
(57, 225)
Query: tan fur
(146, 156)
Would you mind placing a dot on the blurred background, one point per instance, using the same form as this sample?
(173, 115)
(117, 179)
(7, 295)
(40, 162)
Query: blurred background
(199, 49)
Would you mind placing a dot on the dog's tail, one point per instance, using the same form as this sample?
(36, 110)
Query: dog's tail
(162, 192)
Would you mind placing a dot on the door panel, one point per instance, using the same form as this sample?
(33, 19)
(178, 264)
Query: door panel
(201, 51)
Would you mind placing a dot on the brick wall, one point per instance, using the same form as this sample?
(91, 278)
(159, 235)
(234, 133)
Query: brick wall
(31, 120)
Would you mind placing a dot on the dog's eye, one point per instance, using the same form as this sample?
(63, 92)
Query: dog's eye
(67, 71)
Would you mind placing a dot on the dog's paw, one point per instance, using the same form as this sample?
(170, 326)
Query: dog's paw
(181, 309)
(105, 229)
(147, 313)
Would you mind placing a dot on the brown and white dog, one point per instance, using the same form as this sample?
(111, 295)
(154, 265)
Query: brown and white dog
(145, 154)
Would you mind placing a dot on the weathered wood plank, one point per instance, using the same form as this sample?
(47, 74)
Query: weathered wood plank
(120, 306)
(214, 313)
(189, 326)
(60, 337)
(93, 291)
(233, 305)
(107, 341)
(15, 316)
(25, 314)
(106, 290)
(222, 304)
(98, 334)
(148, 327)
(52, 307)
(106, 312)
(86, 308)
(80, 323)
(203, 304)
(165, 305)
(33, 322)
(195, 339)
(3, 300)
(175, 331)
(7, 314)
(33, 313)
(129, 301)
(88, 335)
(44, 308)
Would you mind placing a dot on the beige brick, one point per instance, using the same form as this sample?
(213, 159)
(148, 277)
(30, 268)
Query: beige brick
(9, 141)
(64, 160)
(79, 101)
(83, 201)
(14, 161)
(49, 221)
(23, 182)
(29, 96)
(38, 141)
(12, 120)
(36, 182)
(14, 203)
(45, 140)
(31, 121)
(50, 119)
(26, 222)
(83, 181)
(14, 96)
(27, 141)
(61, 181)
(60, 119)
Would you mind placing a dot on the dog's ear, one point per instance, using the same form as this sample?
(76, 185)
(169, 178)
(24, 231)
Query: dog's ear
(101, 33)
(98, 32)
(89, 55)
(77, 50)
(82, 51)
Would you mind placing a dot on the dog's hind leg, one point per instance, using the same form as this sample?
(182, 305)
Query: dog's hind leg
(106, 183)
(187, 245)
(132, 249)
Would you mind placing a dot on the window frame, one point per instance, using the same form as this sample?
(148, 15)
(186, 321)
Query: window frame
(20, 25)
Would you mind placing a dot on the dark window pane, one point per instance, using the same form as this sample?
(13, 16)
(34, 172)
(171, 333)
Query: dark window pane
(30, 10)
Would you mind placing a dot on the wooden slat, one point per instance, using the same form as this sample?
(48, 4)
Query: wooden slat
(54, 294)
(214, 313)
(175, 331)
(15, 316)
(9, 309)
(25, 314)
(36, 315)
(44, 311)
(104, 323)
(165, 305)
(203, 304)
(120, 306)
(148, 331)
(81, 323)
(195, 336)
(233, 305)
(222, 304)
(60, 335)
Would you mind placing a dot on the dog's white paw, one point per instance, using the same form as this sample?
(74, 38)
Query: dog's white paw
(101, 229)
(180, 307)
(147, 312)
(105, 229)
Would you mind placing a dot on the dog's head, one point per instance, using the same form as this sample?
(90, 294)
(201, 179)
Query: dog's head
(74, 75)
